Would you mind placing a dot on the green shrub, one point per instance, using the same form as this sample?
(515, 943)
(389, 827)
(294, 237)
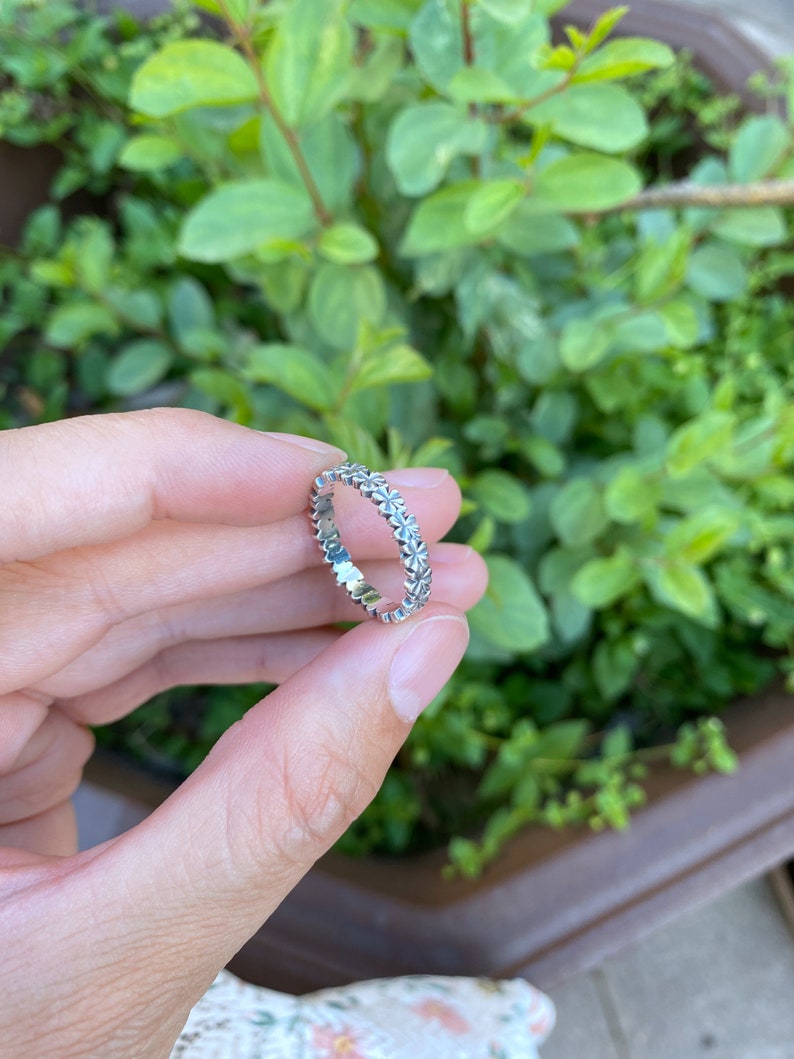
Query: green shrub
(419, 230)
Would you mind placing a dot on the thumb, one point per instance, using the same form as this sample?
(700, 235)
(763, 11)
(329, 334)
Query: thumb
(175, 898)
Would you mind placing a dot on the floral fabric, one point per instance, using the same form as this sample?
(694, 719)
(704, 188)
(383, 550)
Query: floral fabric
(417, 1017)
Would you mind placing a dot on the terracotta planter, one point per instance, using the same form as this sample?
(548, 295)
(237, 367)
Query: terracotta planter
(555, 903)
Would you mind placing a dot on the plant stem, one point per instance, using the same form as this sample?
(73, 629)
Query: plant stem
(718, 196)
(469, 59)
(242, 35)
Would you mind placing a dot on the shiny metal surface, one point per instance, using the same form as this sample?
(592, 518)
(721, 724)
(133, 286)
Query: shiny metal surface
(405, 530)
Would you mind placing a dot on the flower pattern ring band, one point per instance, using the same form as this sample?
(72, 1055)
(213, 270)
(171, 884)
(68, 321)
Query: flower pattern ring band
(405, 530)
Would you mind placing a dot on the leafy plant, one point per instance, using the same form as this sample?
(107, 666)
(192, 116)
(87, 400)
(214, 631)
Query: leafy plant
(422, 230)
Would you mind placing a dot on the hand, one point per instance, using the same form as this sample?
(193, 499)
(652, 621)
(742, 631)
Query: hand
(151, 549)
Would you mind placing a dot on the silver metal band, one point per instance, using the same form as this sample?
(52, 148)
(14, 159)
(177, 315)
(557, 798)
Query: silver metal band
(405, 529)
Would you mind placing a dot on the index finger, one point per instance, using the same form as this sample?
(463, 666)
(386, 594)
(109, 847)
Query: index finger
(99, 478)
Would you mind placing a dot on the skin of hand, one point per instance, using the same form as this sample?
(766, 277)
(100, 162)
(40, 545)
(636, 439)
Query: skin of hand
(144, 550)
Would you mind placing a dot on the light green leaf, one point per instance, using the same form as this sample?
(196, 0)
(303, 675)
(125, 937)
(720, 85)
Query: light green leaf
(604, 25)
(661, 267)
(502, 495)
(94, 258)
(716, 272)
(308, 63)
(700, 536)
(371, 81)
(683, 587)
(511, 615)
(424, 139)
(495, 201)
(605, 117)
(241, 216)
(148, 152)
(392, 15)
(630, 497)
(294, 370)
(681, 320)
(138, 366)
(71, 324)
(399, 364)
(225, 387)
(763, 226)
(139, 307)
(475, 84)
(191, 73)
(624, 58)
(437, 222)
(602, 582)
(577, 513)
(699, 440)
(760, 143)
(582, 345)
(347, 244)
(508, 11)
(342, 298)
(585, 181)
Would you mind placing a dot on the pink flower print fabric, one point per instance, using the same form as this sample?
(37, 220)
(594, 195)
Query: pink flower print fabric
(416, 1017)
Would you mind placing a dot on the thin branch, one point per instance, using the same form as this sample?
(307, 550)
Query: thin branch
(243, 36)
(469, 57)
(717, 196)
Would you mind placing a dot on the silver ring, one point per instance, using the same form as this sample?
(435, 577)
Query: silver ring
(405, 530)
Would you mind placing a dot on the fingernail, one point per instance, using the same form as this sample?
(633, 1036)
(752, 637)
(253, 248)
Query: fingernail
(418, 477)
(425, 662)
(313, 444)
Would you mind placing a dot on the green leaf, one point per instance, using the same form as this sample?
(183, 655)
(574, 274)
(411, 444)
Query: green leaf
(585, 181)
(764, 226)
(94, 258)
(661, 267)
(330, 153)
(372, 80)
(437, 222)
(347, 244)
(602, 582)
(605, 117)
(138, 366)
(399, 364)
(700, 536)
(226, 388)
(630, 497)
(577, 512)
(502, 495)
(683, 587)
(511, 614)
(624, 58)
(435, 40)
(294, 370)
(474, 84)
(424, 139)
(241, 216)
(342, 298)
(509, 12)
(489, 207)
(148, 152)
(190, 311)
(582, 345)
(699, 440)
(191, 73)
(139, 308)
(71, 324)
(757, 147)
(681, 321)
(308, 63)
(531, 230)
(614, 665)
(604, 25)
(716, 272)
(392, 15)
